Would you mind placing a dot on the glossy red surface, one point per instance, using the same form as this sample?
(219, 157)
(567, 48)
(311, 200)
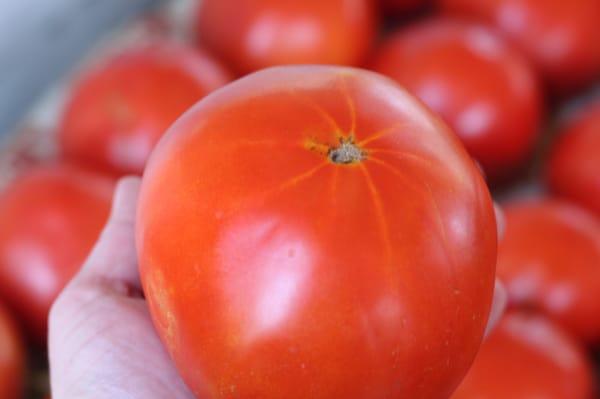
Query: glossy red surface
(12, 358)
(51, 217)
(573, 169)
(485, 91)
(255, 34)
(119, 110)
(560, 37)
(528, 357)
(274, 270)
(549, 260)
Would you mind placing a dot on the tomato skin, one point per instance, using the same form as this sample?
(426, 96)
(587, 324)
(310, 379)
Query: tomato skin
(480, 87)
(549, 260)
(255, 34)
(51, 217)
(12, 358)
(273, 272)
(118, 111)
(572, 169)
(559, 37)
(527, 357)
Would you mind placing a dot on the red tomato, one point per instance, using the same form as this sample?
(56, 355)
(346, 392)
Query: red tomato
(559, 36)
(528, 357)
(574, 167)
(254, 34)
(402, 6)
(120, 109)
(12, 358)
(51, 218)
(316, 232)
(479, 86)
(549, 260)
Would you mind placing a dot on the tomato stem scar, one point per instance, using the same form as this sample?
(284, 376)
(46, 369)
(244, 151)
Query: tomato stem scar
(347, 152)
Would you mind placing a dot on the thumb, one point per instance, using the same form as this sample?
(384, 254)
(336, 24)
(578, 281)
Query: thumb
(114, 256)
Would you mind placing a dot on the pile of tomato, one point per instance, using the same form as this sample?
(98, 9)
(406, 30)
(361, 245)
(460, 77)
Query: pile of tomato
(317, 209)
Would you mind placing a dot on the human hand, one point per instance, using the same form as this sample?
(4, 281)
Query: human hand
(102, 343)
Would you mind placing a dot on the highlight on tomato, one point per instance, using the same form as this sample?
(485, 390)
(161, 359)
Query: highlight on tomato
(119, 109)
(559, 37)
(315, 231)
(549, 260)
(51, 217)
(254, 34)
(12, 358)
(573, 168)
(483, 89)
(527, 357)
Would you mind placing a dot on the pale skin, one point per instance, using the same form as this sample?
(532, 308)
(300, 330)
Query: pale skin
(102, 344)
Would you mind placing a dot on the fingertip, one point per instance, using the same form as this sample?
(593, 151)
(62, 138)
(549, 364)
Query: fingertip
(113, 258)
(500, 220)
(500, 295)
(125, 198)
(480, 168)
(499, 304)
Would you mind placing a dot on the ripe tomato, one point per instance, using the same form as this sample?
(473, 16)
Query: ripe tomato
(574, 167)
(254, 34)
(51, 217)
(549, 260)
(401, 6)
(480, 87)
(316, 232)
(528, 357)
(560, 37)
(12, 358)
(119, 110)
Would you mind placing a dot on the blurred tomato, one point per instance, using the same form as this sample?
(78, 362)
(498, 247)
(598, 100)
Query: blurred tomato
(51, 217)
(559, 36)
(12, 358)
(528, 357)
(402, 6)
(549, 260)
(316, 232)
(120, 109)
(573, 170)
(254, 34)
(480, 87)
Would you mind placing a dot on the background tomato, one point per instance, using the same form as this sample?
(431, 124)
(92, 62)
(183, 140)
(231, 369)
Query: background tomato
(119, 110)
(486, 92)
(254, 34)
(528, 357)
(559, 37)
(316, 232)
(549, 260)
(12, 358)
(573, 170)
(51, 217)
